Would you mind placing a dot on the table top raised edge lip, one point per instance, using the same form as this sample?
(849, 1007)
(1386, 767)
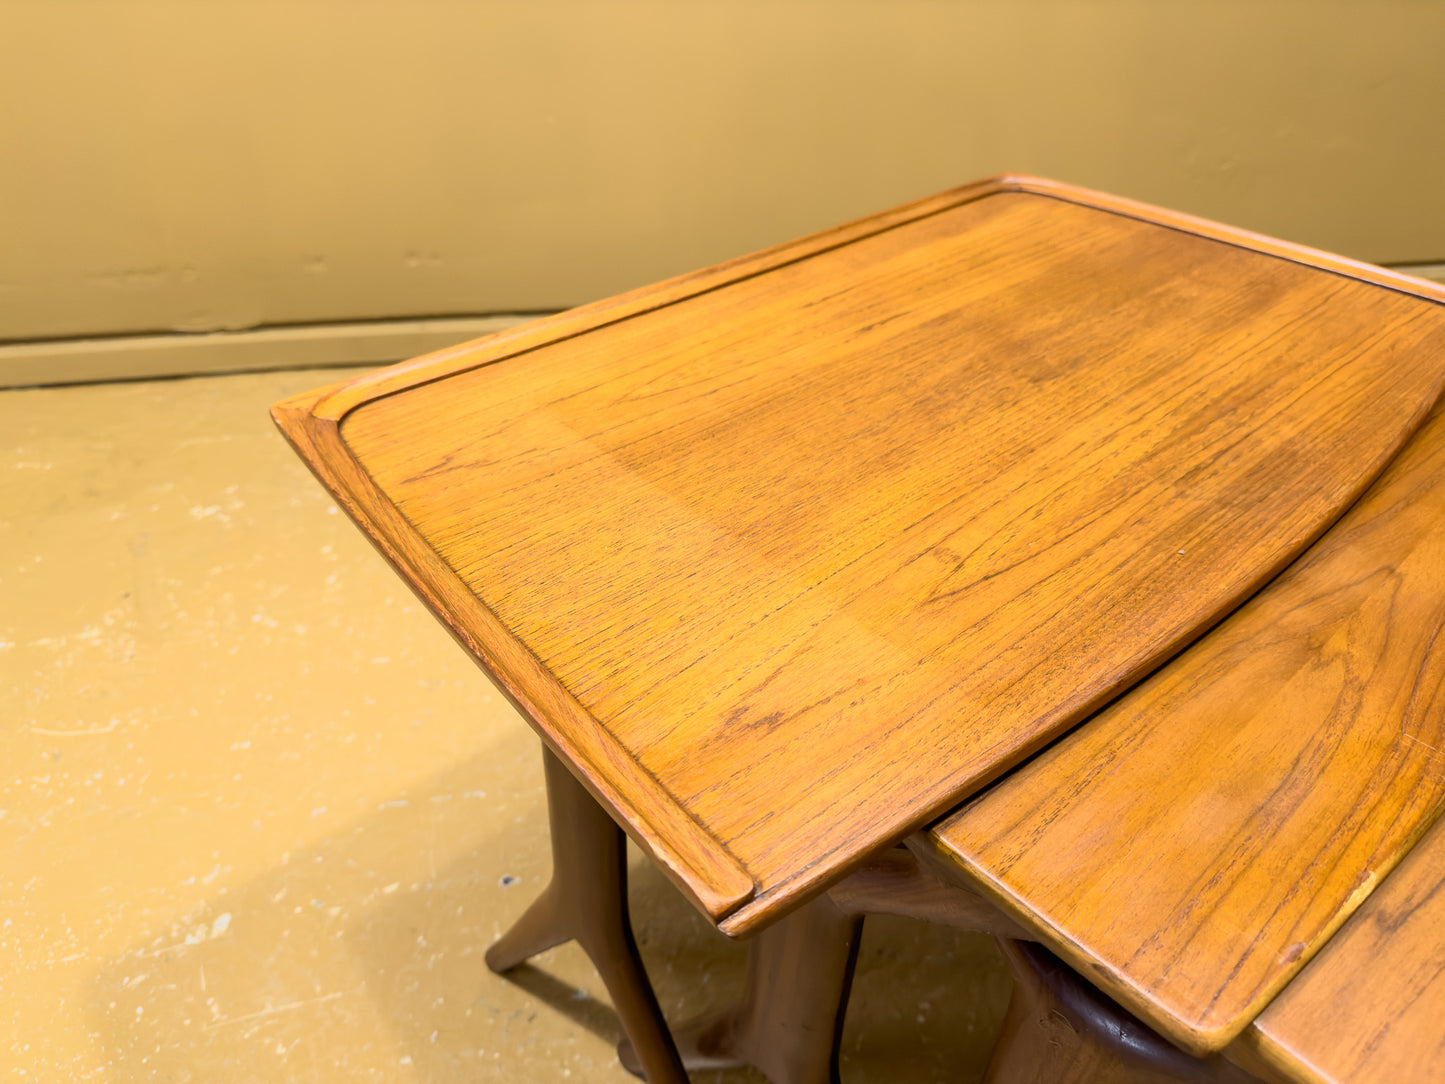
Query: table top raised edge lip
(697, 862)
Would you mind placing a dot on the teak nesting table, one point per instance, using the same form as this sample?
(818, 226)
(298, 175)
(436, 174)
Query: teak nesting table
(786, 558)
(1242, 801)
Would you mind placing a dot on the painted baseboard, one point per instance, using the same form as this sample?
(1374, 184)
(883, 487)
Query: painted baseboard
(136, 357)
(1435, 272)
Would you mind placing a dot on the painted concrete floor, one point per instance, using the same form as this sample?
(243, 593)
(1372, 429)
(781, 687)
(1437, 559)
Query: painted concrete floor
(260, 817)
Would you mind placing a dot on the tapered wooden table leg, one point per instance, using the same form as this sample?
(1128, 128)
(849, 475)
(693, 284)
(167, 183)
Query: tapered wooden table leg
(586, 901)
(790, 1020)
(799, 972)
(1059, 1030)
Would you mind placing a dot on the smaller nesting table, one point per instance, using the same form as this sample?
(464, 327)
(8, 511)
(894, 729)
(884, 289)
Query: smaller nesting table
(1194, 844)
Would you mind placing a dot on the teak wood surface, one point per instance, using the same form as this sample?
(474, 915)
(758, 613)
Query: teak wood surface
(1196, 842)
(1370, 1008)
(788, 556)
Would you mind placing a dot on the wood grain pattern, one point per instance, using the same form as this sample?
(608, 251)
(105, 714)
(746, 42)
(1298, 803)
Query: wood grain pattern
(693, 860)
(1370, 1008)
(789, 556)
(1194, 844)
(705, 873)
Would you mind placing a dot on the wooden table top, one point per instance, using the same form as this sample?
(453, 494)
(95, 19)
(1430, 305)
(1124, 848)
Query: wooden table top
(1192, 846)
(788, 556)
(1370, 1008)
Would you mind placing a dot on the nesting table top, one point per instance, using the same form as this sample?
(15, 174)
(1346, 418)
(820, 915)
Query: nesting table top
(787, 557)
(1195, 843)
(1368, 1008)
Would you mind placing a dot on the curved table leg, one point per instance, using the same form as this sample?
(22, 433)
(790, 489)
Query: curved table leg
(1059, 1030)
(586, 901)
(790, 1022)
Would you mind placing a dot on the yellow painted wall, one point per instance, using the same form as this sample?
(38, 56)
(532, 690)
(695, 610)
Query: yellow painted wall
(211, 164)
